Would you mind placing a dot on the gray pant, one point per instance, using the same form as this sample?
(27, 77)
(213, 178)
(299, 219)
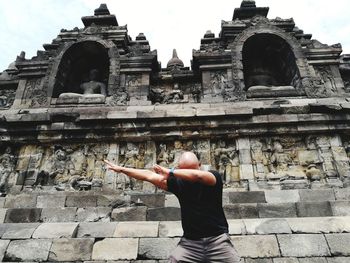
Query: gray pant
(210, 249)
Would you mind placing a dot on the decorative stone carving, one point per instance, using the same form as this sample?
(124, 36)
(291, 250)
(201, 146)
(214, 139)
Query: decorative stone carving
(226, 161)
(259, 159)
(7, 98)
(196, 91)
(314, 87)
(120, 97)
(326, 75)
(218, 82)
(7, 165)
(35, 93)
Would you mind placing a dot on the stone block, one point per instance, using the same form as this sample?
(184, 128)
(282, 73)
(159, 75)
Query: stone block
(339, 244)
(164, 214)
(23, 215)
(340, 208)
(285, 260)
(338, 260)
(266, 226)
(307, 195)
(319, 224)
(278, 196)
(56, 230)
(20, 201)
(149, 200)
(19, 231)
(3, 246)
(96, 229)
(94, 214)
(274, 210)
(28, 250)
(113, 200)
(50, 201)
(136, 229)
(236, 227)
(81, 201)
(2, 215)
(137, 213)
(246, 172)
(247, 197)
(2, 202)
(314, 209)
(342, 194)
(115, 249)
(58, 214)
(256, 246)
(170, 229)
(313, 260)
(171, 201)
(258, 260)
(301, 245)
(71, 249)
(237, 211)
(157, 248)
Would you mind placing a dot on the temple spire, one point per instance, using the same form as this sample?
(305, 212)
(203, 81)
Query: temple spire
(248, 10)
(175, 61)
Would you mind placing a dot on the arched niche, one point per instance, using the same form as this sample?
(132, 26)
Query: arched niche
(296, 63)
(76, 64)
(269, 61)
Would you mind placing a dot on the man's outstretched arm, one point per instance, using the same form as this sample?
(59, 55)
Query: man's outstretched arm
(140, 174)
(192, 175)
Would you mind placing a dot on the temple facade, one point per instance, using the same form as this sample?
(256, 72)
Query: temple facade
(263, 103)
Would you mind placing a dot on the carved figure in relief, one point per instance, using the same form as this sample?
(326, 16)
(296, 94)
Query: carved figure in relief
(226, 159)
(259, 160)
(63, 167)
(196, 92)
(279, 162)
(163, 156)
(132, 81)
(327, 77)
(121, 97)
(175, 153)
(7, 163)
(218, 82)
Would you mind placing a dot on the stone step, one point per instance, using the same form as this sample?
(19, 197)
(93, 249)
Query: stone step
(144, 213)
(322, 239)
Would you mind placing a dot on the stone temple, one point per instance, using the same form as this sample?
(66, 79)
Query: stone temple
(263, 103)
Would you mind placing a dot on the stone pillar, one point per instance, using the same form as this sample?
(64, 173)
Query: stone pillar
(245, 160)
(110, 177)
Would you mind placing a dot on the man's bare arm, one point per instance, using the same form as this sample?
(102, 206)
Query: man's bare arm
(140, 174)
(191, 175)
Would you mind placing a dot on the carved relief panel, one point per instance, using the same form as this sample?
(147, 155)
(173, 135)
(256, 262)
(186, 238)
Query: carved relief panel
(34, 95)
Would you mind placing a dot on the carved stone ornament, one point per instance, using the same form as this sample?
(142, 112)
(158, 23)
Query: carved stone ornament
(35, 92)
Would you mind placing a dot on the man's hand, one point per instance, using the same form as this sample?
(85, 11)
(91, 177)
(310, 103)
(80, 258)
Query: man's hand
(161, 170)
(113, 167)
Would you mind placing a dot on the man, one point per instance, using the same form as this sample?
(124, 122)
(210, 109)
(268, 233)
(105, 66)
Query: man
(199, 192)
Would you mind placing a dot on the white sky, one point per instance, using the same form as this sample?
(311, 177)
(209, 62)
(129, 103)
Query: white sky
(28, 24)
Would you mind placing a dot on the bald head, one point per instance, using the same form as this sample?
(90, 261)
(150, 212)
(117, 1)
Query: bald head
(188, 160)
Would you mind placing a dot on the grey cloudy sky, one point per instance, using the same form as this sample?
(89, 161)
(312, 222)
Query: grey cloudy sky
(27, 24)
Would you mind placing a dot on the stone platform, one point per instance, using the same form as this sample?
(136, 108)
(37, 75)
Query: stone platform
(265, 226)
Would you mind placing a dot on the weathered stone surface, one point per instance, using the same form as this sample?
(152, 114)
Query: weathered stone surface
(236, 227)
(277, 210)
(340, 208)
(2, 215)
(307, 195)
(23, 215)
(285, 260)
(256, 246)
(157, 248)
(170, 229)
(94, 214)
(164, 214)
(136, 229)
(339, 244)
(137, 213)
(71, 249)
(58, 214)
(28, 250)
(258, 260)
(2, 202)
(338, 260)
(286, 196)
(3, 246)
(266, 226)
(237, 211)
(314, 209)
(149, 200)
(342, 194)
(56, 230)
(171, 201)
(247, 197)
(81, 201)
(50, 201)
(115, 249)
(96, 229)
(313, 260)
(20, 201)
(19, 231)
(301, 245)
(113, 200)
(319, 224)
